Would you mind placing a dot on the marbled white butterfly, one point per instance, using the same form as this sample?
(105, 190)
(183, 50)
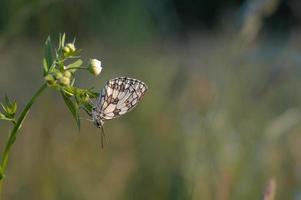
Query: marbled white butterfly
(119, 96)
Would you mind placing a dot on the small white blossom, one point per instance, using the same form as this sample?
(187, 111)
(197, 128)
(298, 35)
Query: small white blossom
(95, 67)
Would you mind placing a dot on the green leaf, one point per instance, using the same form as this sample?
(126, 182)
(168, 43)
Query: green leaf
(69, 91)
(10, 108)
(1, 173)
(75, 65)
(14, 106)
(72, 82)
(6, 100)
(4, 107)
(62, 40)
(73, 107)
(48, 57)
(92, 94)
(3, 117)
(45, 67)
(88, 108)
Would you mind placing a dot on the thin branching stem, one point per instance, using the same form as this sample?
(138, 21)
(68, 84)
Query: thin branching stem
(14, 132)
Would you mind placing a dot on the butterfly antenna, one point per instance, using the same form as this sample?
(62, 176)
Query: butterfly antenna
(90, 120)
(102, 137)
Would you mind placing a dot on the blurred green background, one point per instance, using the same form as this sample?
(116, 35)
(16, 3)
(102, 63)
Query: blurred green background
(222, 116)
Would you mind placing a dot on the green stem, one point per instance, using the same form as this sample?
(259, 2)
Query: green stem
(13, 134)
(69, 68)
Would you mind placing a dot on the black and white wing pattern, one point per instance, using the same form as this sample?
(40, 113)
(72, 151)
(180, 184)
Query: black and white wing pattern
(119, 96)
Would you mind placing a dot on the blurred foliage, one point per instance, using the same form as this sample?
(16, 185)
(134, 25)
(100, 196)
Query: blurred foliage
(222, 117)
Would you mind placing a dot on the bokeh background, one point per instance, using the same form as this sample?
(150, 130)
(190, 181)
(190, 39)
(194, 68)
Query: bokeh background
(221, 119)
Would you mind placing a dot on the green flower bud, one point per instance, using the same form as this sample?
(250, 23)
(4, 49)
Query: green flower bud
(67, 74)
(58, 75)
(50, 79)
(64, 81)
(71, 47)
(66, 50)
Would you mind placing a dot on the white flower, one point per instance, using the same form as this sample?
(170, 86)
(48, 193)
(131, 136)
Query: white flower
(95, 67)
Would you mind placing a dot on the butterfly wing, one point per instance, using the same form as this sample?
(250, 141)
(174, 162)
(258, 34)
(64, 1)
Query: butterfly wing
(119, 96)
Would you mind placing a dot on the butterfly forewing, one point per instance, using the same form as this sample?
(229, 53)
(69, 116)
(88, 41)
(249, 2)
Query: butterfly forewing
(119, 96)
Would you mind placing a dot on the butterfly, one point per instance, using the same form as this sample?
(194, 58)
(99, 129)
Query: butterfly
(119, 96)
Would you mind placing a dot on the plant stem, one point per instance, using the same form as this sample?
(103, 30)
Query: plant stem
(69, 68)
(14, 132)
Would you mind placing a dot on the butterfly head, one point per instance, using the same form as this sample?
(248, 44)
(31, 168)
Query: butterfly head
(98, 124)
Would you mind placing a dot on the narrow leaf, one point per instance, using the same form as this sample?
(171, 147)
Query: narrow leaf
(7, 100)
(48, 57)
(72, 82)
(63, 40)
(69, 91)
(1, 173)
(92, 94)
(73, 107)
(60, 40)
(14, 106)
(4, 107)
(45, 67)
(2, 116)
(88, 108)
(76, 64)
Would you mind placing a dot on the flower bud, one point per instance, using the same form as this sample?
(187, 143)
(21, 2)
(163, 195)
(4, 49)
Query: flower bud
(84, 97)
(50, 79)
(66, 50)
(71, 47)
(64, 81)
(67, 74)
(58, 75)
(95, 67)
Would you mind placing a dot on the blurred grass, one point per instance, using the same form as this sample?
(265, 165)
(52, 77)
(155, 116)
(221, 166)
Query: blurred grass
(220, 120)
(205, 130)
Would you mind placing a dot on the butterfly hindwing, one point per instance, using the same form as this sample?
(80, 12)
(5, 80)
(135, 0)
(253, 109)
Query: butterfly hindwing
(119, 96)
